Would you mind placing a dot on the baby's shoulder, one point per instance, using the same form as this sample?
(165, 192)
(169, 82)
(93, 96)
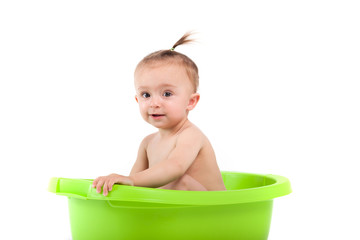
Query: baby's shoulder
(192, 133)
(148, 139)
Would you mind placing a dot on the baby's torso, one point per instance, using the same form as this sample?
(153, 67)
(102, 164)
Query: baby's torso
(204, 173)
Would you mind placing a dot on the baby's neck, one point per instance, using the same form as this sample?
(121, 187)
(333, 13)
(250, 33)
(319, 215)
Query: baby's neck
(170, 132)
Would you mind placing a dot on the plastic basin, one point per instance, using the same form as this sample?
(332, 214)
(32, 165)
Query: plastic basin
(242, 212)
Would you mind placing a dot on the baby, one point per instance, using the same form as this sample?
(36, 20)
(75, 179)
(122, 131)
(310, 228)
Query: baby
(178, 156)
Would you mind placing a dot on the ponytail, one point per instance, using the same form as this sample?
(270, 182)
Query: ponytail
(183, 40)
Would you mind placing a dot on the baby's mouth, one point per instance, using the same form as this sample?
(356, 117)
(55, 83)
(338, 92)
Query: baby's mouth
(157, 116)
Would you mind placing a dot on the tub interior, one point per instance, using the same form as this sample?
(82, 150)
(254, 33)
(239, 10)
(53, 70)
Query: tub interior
(243, 181)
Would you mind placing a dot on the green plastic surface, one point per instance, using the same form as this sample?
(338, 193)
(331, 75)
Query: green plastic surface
(242, 212)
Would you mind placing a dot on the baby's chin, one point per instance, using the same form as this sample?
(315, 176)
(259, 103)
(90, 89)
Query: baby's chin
(160, 125)
(168, 125)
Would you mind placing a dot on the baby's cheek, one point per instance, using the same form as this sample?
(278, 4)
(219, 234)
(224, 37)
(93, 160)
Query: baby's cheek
(143, 110)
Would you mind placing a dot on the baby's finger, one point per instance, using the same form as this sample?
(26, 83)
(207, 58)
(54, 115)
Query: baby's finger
(111, 184)
(105, 188)
(95, 182)
(99, 185)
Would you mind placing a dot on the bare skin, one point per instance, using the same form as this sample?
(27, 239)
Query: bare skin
(203, 173)
(178, 156)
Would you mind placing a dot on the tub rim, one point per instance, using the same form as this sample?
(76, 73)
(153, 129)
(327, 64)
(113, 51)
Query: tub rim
(82, 189)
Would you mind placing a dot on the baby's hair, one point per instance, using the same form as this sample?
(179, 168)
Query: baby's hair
(170, 56)
(183, 40)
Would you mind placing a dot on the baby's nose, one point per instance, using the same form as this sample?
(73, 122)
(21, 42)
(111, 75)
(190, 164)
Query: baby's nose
(155, 101)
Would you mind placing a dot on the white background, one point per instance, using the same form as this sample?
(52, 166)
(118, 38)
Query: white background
(279, 85)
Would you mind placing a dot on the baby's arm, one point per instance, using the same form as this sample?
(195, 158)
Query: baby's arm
(140, 164)
(187, 147)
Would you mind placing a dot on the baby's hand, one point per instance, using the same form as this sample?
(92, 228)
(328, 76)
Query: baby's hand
(108, 181)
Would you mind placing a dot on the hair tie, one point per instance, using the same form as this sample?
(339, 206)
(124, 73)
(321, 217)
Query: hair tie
(172, 49)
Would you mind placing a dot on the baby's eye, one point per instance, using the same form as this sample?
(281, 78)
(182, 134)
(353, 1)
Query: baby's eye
(167, 94)
(145, 95)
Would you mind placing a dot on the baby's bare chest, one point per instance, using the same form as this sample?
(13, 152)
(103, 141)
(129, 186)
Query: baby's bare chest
(158, 151)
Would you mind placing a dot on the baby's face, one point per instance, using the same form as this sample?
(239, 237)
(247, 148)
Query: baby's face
(164, 93)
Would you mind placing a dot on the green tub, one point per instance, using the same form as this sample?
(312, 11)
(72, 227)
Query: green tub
(130, 213)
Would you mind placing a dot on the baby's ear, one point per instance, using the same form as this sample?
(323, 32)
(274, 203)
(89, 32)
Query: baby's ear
(194, 99)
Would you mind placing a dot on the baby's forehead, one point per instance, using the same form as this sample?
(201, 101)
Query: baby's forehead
(159, 84)
(159, 65)
(161, 75)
